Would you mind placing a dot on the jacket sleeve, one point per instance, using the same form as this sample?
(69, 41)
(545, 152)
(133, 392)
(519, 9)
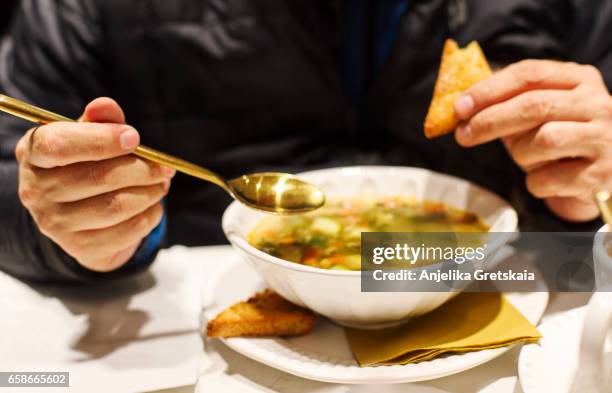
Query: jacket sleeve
(591, 35)
(510, 31)
(49, 58)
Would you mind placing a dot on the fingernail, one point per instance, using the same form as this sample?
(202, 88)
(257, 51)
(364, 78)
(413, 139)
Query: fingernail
(168, 172)
(166, 185)
(464, 106)
(129, 139)
(464, 133)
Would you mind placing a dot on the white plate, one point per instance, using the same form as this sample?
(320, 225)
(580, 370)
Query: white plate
(324, 354)
(550, 366)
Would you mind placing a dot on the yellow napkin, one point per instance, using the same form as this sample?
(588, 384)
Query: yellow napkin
(468, 322)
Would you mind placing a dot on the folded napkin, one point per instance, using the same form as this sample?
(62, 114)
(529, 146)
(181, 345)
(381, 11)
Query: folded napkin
(468, 322)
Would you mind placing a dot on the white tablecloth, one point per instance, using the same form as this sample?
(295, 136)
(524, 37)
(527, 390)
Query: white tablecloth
(143, 334)
(137, 334)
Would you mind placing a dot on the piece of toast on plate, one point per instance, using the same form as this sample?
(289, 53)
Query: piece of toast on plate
(265, 314)
(459, 70)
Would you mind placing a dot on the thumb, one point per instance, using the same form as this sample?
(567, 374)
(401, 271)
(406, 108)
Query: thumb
(103, 110)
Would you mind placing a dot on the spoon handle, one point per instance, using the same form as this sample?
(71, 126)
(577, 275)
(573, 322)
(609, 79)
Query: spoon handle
(42, 116)
(180, 165)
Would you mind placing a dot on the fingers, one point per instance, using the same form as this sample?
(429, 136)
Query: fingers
(554, 119)
(518, 78)
(86, 191)
(109, 209)
(85, 247)
(101, 135)
(117, 260)
(61, 144)
(103, 110)
(566, 187)
(574, 209)
(87, 179)
(554, 141)
(571, 178)
(522, 113)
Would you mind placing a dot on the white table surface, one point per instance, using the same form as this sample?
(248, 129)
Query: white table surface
(143, 334)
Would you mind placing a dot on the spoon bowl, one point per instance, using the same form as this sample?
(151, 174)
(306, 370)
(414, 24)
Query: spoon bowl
(278, 193)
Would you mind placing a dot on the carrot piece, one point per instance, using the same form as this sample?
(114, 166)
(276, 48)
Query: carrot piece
(337, 259)
(309, 261)
(309, 256)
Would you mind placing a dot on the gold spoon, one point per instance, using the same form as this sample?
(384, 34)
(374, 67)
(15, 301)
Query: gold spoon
(604, 202)
(272, 192)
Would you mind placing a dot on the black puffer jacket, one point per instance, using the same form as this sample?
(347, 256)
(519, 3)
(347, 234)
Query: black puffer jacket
(247, 85)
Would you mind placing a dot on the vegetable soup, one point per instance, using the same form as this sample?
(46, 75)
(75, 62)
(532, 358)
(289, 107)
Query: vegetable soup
(330, 238)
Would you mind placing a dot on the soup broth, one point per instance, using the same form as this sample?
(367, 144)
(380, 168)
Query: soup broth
(330, 238)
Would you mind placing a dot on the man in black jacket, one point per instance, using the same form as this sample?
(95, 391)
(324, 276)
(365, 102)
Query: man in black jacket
(241, 86)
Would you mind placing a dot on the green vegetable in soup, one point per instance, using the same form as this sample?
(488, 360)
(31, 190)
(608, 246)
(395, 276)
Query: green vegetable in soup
(330, 238)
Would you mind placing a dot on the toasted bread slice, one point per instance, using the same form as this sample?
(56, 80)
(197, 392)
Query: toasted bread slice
(459, 70)
(265, 314)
